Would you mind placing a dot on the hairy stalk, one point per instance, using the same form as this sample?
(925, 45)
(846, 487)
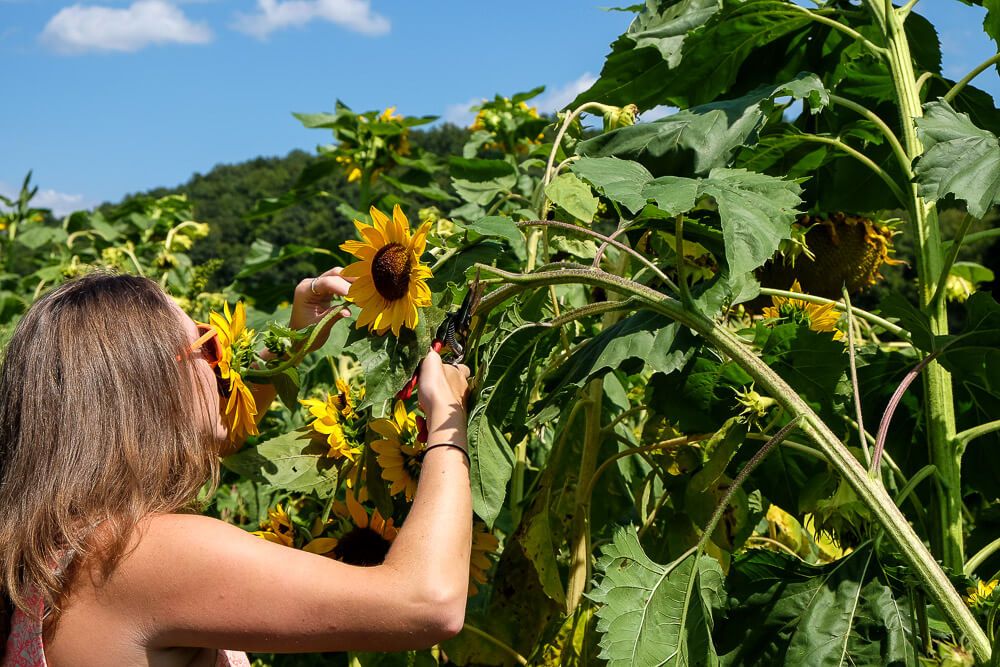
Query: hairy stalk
(948, 536)
(855, 388)
(981, 556)
(580, 546)
(890, 410)
(976, 71)
(889, 181)
(963, 438)
(897, 148)
(870, 492)
(506, 648)
(741, 477)
(949, 260)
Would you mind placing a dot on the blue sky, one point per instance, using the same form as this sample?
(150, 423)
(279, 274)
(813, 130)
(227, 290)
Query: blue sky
(106, 97)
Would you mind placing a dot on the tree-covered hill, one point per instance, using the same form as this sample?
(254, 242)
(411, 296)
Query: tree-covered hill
(225, 196)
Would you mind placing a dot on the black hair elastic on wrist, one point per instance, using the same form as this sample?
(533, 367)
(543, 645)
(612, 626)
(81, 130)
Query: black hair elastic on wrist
(447, 444)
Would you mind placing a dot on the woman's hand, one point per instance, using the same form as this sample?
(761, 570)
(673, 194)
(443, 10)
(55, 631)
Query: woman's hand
(441, 393)
(312, 302)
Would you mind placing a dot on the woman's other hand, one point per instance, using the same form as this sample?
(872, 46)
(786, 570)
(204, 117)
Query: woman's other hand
(313, 298)
(442, 392)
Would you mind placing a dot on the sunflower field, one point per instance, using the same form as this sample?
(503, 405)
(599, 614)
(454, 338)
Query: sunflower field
(700, 434)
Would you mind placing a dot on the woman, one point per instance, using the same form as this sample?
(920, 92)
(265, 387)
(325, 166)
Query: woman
(109, 426)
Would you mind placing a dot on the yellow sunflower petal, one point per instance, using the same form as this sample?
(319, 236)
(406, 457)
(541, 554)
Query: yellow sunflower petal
(357, 269)
(380, 221)
(358, 514)
(321, 545)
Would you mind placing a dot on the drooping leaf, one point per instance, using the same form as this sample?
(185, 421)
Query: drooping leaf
(641, 58)
(620, 180)
(502, 394)
(647, 339)
(959, 159)
(294, 461)
(651, 614)
(491, 463)
(702, 137)
(536, 538)
(498, 226)
(757, 212)
(671, 54)
(478, 181)
(387, 363)
(784, 611)
(573, 196)
(812, 362)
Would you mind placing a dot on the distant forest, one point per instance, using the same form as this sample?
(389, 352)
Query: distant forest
(225, 195)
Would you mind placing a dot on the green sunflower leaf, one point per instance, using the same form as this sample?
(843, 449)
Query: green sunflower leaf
(573, 196)
(294, 461)
(845, 613)
(757, 212)
(651, 614)
(959, 159)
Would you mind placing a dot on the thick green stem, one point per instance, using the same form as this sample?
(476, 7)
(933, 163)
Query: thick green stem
(869, 491)
(897, 148)
(979, 69)
(948, 538)
(580, 548)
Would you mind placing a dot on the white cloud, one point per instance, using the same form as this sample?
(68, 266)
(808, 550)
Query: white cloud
(554, 99)
(271, 15)
(80, 28)
(461, 114)
(60, 203)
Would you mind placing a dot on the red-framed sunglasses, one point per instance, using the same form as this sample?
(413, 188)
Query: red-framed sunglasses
(210, 349)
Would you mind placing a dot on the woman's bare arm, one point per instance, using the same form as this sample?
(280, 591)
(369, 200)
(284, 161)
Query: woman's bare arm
(196, 581)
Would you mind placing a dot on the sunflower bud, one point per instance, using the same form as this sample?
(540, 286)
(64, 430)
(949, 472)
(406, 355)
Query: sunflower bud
(755, 406)
(616, 117)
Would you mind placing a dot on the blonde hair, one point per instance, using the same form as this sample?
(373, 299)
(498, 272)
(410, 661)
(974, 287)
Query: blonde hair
(100, 425)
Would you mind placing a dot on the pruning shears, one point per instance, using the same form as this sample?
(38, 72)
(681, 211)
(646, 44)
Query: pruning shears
(452, 335)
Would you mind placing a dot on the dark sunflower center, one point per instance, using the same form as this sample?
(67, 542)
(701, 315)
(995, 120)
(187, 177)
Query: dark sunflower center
(391, 271)
(362, 546)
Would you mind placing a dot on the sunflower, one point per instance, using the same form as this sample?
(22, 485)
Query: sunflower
(483, 543)
(391, 282)
(237, 343)
(346, 399)
(277, 528)
(817, 317)
(327, 423)
(368, 540)
(399, 450)
(981, 593)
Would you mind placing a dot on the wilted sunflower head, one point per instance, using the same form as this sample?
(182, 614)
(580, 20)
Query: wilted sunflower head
(391, 283)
